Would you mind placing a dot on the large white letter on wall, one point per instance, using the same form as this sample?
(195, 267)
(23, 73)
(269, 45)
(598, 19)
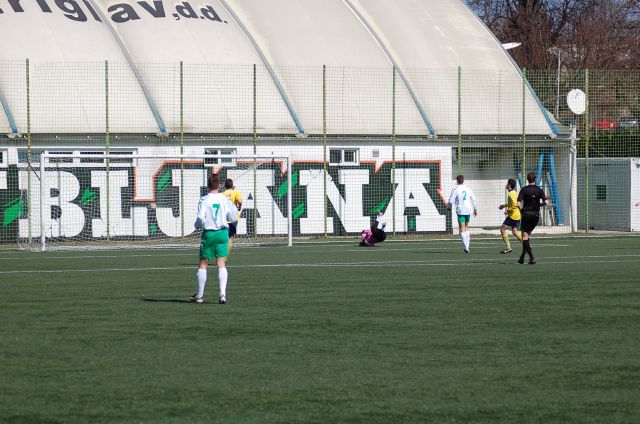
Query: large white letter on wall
(348, 209)
(60, 189)
(118, 225)
(411, 193)
(169, 224)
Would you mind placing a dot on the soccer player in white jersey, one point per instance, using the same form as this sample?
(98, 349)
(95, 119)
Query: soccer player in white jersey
(215, 211)
(465, 202)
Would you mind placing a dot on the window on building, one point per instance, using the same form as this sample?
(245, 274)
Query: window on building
(601, 193)
(23, 156)
(81, 157)
(60, 159)
(343, 156)
(95, 156)
(335, 156)
(217, 151)
(90, 156)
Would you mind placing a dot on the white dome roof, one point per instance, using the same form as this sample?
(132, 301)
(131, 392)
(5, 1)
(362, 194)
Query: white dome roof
(219, 42)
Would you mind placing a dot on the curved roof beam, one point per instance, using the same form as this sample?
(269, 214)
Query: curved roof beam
(545, 113)
(387, 53)
(267, 65)
(7, 112)
(152, 105)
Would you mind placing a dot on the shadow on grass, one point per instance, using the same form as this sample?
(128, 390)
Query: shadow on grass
(428, 252)
(450, 253)
(147, 299)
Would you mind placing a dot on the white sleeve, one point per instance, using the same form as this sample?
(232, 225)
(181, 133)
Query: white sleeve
(473, 200)
(452, 197)
(200, 216)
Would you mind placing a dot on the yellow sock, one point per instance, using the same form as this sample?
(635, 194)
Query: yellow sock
(519, 235)
(507, 245)
(229, 247)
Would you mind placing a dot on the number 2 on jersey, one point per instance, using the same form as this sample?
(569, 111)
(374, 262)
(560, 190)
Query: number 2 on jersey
(216, 206)
(464, 195)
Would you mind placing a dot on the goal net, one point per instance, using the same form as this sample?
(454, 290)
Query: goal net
(109, 201)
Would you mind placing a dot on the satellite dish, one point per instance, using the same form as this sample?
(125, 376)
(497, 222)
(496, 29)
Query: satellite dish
(577, 101)
(509, 46)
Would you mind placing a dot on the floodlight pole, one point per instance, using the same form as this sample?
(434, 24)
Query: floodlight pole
(557, 51)
(558, 89)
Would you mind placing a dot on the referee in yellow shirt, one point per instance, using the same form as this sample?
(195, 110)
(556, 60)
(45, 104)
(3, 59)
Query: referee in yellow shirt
(513, 216)
(236, 198)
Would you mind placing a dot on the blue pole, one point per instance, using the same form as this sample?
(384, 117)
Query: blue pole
(540, 165)
(554, 190)
(7, 111)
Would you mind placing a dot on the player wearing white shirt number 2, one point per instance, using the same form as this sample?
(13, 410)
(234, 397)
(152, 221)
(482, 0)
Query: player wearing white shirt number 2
(465, 202)
(215, 211)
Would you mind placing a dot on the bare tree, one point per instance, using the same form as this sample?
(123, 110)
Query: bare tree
(596, 33)
(607, 35)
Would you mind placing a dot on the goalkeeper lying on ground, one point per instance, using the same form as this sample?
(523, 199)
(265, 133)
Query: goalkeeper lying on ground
(375, 234)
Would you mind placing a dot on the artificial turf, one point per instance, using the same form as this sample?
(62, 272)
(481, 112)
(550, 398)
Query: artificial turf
(413, 331)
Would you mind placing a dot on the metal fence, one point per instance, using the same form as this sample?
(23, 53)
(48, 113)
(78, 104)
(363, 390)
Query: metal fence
(344, 123)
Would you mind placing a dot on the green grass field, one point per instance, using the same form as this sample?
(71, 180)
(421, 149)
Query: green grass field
(412, 331)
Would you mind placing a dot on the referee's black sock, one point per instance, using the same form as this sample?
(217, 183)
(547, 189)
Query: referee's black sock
(527, 248)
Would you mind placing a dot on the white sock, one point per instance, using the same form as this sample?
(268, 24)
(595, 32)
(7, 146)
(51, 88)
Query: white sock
(467, 239)
(222, 281)
(462, 238)
(202, 281)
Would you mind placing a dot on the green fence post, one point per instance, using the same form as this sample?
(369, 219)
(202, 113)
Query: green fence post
(459, 120)
(255, 149)
(181, 148)
(324, 145)
(524, 126)
(393, 148)
(28, 87)
(107, 142)
(587, 140)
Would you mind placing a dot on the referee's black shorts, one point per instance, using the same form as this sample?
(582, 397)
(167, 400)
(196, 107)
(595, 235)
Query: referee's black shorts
(233, 228)
(529, 222)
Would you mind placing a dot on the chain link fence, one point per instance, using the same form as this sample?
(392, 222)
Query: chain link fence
(363, 141)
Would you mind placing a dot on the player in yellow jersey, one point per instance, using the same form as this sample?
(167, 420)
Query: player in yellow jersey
(513, 216)
(236, 198)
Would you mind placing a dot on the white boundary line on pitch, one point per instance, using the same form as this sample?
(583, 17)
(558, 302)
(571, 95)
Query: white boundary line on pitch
(451, 239)
(449, 262)
(360, 249)
(325, 265)
(454, 238)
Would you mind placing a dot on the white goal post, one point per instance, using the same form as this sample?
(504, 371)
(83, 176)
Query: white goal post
(111, 200)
